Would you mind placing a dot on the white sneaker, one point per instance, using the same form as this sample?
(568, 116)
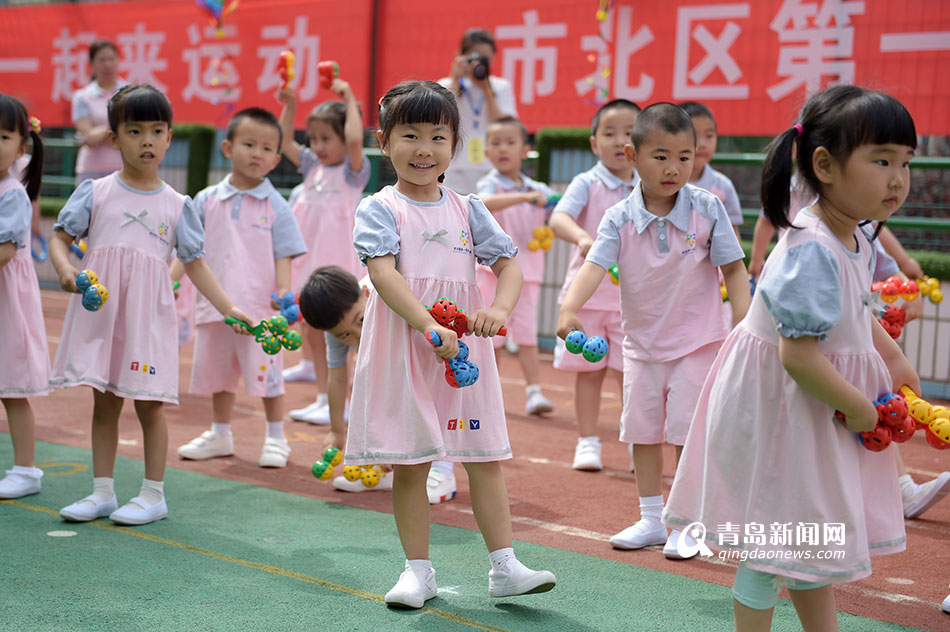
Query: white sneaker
(517, 579)
(17, 484)
(671, 550)
(587, 455)
(641, 534)
(440, 487)
(300, 373)
(537, 404)
(511, 345)
(946, 605)
(208, 445)
(384, 484)
(82, 511)
(137, 511)
(927, 495)
(274, 453)
(317, 413)
(411, 591)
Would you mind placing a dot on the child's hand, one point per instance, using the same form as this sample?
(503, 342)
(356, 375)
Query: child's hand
(487, 321)
(234, 312)
(913, 310)
(911, 268)
(287, 96)
(584, 244)
(755, 267)
(536, 198)
(341, 89)
(450, 341)
(568, 322)
(864, 419)
(281, 292)
(67, 278)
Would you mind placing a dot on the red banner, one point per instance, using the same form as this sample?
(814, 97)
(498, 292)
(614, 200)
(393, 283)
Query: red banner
(752, 63)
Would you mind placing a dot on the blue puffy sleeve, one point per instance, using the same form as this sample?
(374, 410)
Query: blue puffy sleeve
(16, 214)
(375, 233)
(606, 249)
(356, 179)
(489, 241)
(308, 161)
(286, 238)
(74, 217)
(802, 291)
(189, 233)
(575, 197)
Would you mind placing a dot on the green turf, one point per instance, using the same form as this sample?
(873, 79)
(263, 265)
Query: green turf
(321, 566)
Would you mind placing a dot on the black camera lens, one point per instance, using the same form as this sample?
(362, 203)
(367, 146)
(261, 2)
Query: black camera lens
(480, 70)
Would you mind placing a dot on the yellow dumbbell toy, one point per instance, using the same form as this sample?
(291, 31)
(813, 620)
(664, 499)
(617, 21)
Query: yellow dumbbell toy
(930, 287)
(543, 239)
(323, 469)
(370, 474)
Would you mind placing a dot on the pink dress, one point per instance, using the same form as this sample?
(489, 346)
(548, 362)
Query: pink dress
(403, 411)
(324, 212)
(763, 459)
(128, 346)
(24, 356)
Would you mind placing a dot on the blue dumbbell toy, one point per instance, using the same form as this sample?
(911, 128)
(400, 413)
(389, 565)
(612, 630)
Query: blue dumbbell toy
(593, 349)
(459, 371)
(289, 308)
(94, 294)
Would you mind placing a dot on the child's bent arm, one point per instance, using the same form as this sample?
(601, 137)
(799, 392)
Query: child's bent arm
(905, 262)
(353, 127)
(487, 322)
(7, 252)
(737, 286)
(578, 293)
(501, 201)
(764, 231)
(176, 270)
(566, 228)
(902, 373)
(59, 256)
(819, 378)
(289, 147)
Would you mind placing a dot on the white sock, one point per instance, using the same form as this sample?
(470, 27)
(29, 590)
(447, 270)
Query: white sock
(32, 472)
(593, 438)
(306, 365)
(445, 467)
(103, 489)
(222, 429)
(651, 508)
(275, 429)
(420, 567)
(322, 399)
(908, 486)
(500, 557)
(531, 389)
(152, 491)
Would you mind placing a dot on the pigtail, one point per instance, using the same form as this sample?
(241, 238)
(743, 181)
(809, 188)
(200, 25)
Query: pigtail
(776, 178)
(33, 174)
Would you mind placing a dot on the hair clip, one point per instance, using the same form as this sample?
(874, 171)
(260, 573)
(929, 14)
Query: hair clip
(35, 124)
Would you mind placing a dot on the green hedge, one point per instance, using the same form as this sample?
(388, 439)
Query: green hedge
(200, 145)
(558, 138)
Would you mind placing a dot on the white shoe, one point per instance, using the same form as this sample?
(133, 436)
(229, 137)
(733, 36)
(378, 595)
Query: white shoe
(384, 484)
(300, 373)
(927, 495)
(537, 404)
(83, 511)
(511, 345)
(517, 579)
(946, 605)
(17, 484)
(208, 445)
(639, 535)
(316, 413)
(274, 453)
(671, 550)
(440, 487)
(587, 454)
(411, 591)
(137, 511)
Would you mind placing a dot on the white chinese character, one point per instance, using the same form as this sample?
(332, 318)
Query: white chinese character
(806, 533)
(822, 49)
(306, 49)
(70, 63)
(728, 534)
(219, 80)
(531, 54)
(780, 533)
(754, 534)
(140, 58)
(626, 44)
(834, 533)
(687, 81)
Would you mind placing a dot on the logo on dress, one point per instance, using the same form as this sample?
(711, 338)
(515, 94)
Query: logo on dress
(690, 243)
(464, 238)
(459, 424)
(144, 367)
(163, 229)
(263, 220)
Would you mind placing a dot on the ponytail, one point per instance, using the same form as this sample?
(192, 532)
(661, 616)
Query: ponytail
(33, 174)
(777, 177)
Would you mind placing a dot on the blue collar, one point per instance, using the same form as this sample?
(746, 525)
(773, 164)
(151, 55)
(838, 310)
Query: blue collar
(642, 218)
(610, 180)
(262, 191)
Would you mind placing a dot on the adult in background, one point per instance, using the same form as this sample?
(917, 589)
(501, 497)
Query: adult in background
(482, 98)
(97, 157)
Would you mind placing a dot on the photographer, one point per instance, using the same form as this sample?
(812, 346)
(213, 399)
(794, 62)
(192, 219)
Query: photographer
(482, 98)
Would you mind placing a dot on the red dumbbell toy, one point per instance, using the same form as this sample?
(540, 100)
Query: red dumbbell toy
(893, 423)
(328, 71)
(285, 66)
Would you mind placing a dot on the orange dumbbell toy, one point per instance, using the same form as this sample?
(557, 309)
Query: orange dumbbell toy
(328, 71)
(543, 239)
(936, 419)
(285, 66)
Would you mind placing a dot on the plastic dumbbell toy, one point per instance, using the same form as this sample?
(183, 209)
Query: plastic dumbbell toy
(542, 239)
(459, 371)
(328, 71)
(935, 420)
(370, 475)
(323, 469)
(930, 288)
(291, 340)
(285, 66)
(614, 272)
(78, 249)
(552, 201)
(893, 320)
(42, 254)
(93, 294)
(893, 423)
(289, 308)
(593, 349)
(272, 334)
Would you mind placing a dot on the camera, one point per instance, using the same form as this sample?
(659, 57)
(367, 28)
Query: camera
(480, 70)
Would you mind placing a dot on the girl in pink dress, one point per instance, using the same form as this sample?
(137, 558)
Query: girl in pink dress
(769, 475)
(131, 221)
(335, 171)
(24, 357)
(420, 242)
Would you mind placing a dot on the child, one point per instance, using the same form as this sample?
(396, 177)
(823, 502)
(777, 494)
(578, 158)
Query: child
(704, 176)
(575, 220)
(764, 447)
(24, 357)
(420, 242)
(335, 171)
(670, 239)
(333, 300)
(251, 237)
(517, 203)
(131, 221)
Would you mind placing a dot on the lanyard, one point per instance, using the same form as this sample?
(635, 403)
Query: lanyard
(476, 108)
